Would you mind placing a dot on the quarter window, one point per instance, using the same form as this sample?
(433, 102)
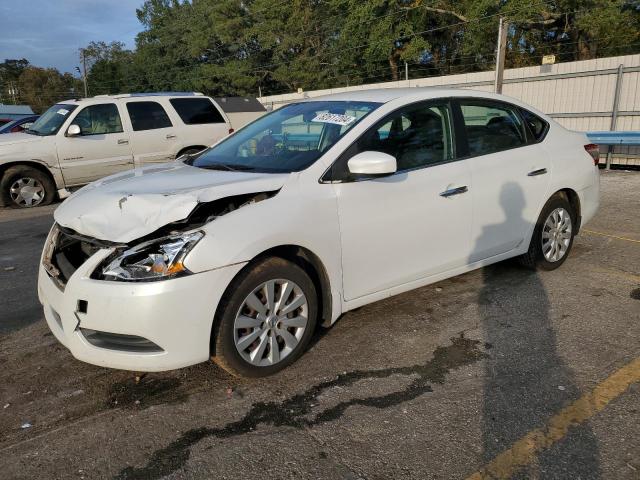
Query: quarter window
(492, 127)
(147, 116)
(194, 111)
(537, 126)
(99, 119)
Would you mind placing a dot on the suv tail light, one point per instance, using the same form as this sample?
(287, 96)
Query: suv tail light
(593, 150)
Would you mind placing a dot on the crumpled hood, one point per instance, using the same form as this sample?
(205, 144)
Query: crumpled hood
(129, 205)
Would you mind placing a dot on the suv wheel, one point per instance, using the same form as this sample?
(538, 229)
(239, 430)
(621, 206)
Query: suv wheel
(25, 187)
(265, 319)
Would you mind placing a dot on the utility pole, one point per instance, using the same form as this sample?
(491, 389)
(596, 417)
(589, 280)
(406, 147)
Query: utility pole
(406, 71)
(500, 54)
(614, 111)
(84, 73)
(13, 91)
(259, 91)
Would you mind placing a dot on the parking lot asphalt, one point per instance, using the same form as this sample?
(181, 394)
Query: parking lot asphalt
(498, 373)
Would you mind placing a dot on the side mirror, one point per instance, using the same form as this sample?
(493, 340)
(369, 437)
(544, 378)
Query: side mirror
(372, 163)
(74, 130)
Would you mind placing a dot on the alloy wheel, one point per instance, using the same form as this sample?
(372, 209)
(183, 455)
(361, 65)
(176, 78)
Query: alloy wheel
(556, 235)
(270, 322)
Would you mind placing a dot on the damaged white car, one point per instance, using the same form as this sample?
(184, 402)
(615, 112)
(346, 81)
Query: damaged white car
(317, 208)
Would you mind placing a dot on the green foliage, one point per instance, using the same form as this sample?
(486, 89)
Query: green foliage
(10, 71)
(42, 87)
(241, 47)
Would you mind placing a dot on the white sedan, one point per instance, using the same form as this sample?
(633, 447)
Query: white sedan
(317, 208)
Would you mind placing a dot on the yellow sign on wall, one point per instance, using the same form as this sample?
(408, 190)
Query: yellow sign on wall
(548, 60)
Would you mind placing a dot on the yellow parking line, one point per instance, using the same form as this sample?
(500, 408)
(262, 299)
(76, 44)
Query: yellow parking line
(610, 236)
(524, 451)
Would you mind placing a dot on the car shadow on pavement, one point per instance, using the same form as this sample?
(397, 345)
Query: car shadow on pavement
(526, 380)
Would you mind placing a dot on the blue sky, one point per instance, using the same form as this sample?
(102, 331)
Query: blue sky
(48, 33)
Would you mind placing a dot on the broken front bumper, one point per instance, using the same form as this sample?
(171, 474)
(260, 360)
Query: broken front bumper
(140, 326)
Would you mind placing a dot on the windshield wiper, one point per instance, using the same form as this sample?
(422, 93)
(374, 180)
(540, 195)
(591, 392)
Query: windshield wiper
(224, 166)
(31, 132)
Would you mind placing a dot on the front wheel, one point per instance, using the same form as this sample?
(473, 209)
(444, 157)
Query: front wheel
(552, 237)
(265, 319)
(25, 187)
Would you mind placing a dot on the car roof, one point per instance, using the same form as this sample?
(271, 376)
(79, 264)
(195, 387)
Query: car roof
(384, 95)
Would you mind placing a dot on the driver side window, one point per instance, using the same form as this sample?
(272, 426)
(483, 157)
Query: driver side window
(417, 136)
(99, 119)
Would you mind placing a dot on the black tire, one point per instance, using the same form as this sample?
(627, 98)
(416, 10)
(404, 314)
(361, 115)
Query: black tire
(534, 258)
(16, 174)
(225, 352)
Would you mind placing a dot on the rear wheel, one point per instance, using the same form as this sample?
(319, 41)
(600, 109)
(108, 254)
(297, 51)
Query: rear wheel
(25, 187)
(552, 237)
(266, 319)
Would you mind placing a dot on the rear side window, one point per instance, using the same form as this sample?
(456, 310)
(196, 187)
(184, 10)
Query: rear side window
(147, 116)
(537, 126)
(195, 111)
(492, 127)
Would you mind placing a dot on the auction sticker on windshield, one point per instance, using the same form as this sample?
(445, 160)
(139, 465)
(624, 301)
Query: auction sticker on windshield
(334, 118)
(62, 111)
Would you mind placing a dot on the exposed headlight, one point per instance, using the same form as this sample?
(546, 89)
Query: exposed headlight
(153, 260)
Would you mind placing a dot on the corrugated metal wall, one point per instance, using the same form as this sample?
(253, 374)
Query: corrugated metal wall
(579, 95)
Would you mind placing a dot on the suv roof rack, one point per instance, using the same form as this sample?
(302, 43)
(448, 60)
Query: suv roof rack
(162, 94)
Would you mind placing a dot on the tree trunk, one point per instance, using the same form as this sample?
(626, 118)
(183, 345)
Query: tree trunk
(393, 64)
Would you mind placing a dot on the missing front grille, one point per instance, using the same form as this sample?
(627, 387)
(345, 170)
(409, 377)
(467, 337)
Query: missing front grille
(69, 253)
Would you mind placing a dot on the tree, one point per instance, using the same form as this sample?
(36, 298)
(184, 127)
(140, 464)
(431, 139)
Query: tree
(238, 47)
(107, 65)
(42, 87)
(10, 71)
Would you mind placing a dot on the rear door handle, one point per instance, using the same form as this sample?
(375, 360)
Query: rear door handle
(123, 141)
(454, 191)
(540, 171)
(170, 136)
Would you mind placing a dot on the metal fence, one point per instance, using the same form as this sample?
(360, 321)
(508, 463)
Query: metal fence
(589, 95)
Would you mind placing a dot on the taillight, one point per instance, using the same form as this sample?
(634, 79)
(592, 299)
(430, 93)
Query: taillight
(593, 150)
(231, 130)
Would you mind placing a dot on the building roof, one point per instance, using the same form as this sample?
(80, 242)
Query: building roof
(15, 109)
(239, 104)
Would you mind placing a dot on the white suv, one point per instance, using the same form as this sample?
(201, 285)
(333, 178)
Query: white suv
(78, 141)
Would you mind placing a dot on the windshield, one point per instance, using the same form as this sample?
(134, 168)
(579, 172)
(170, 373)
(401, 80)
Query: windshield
(286, 140)
(50, 121)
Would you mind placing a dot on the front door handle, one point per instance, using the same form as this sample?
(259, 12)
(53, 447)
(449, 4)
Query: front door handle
(454, 191)
(123, 141)
(170, 136)
(539, 171)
